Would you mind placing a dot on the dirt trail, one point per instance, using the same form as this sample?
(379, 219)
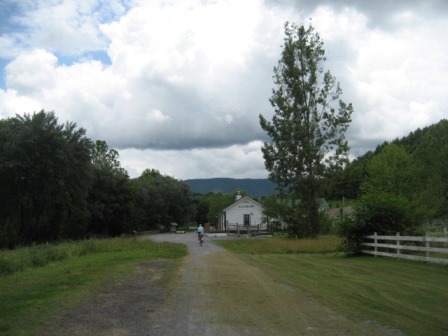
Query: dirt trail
(216, 293)
(220, 294)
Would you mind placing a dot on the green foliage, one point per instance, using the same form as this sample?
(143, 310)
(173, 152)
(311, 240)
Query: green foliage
(41, 255)
(216, 203)
(105, 159)
(110, 200)
(85, 247)
(159, 200)
(55, 184)
(392, 171)
(423, 156)
(308, 127)
(202, 210)
(404, 185)
(284, 208)
(346, 183)
(275, 212)
(383, 213)
(45, 175)
(430, 149)
(8, 233)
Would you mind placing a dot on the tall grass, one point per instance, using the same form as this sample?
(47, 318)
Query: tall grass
(282, 245)
(40, 281)
(41, 255)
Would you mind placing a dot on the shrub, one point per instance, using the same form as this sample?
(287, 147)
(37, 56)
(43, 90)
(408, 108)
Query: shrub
(8, 234)
(382, 213)
(37, 256)
(6, 266)
(86, 247)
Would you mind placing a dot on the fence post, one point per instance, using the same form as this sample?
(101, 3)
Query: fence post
(444, 232)
(375, 240)
(248, 230)
(237, 229)
(398, 245)
(427, 246)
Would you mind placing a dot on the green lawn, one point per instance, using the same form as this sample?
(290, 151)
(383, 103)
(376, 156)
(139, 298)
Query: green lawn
(404, 295)
(30, 297)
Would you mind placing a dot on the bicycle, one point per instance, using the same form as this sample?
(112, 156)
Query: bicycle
(201, 239)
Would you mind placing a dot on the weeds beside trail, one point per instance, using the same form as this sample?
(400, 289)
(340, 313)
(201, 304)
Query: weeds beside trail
(41, 255)
(40, 281)
(400, 295)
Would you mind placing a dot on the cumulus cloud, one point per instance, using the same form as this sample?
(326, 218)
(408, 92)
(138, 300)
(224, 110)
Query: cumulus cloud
(236, 161)
(178, 85)
(65, 27)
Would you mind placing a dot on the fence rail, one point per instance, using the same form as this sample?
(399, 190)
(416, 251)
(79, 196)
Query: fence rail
(408, 247)
(237, 229)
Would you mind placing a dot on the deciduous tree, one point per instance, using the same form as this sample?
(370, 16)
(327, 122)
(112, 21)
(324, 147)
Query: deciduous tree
(45, 174)
(160, 200)
(308, 127)
(110, 198)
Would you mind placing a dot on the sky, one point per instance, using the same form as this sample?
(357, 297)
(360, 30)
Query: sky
(178, 85)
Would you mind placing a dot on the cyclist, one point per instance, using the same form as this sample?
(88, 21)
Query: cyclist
(200, 231)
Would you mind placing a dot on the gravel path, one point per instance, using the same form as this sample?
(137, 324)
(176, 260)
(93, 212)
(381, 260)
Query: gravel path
(185, 312)
(216, 293)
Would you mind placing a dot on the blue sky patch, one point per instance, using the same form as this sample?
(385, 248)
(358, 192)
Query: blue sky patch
(3, 64)
(99, 55)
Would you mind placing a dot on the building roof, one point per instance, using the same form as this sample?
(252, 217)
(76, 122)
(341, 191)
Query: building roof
(242, 200)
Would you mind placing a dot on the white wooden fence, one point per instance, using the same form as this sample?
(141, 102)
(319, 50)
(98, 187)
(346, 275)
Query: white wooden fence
(429, 249)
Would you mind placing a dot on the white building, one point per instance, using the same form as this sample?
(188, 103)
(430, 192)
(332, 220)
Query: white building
(244, 212)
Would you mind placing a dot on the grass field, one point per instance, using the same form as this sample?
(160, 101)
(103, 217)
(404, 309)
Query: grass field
(403, 295)
(42, 280)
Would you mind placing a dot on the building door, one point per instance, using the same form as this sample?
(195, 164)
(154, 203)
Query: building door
(246, 220)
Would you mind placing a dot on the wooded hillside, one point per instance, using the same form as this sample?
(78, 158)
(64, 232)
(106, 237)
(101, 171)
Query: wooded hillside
(426, 149)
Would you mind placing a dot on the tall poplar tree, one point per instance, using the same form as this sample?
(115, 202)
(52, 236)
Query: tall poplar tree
(308, 127)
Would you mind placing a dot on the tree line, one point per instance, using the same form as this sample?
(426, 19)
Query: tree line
(56, 183)
(402, 186)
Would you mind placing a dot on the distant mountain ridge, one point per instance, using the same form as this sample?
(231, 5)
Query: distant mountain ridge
(253, 187)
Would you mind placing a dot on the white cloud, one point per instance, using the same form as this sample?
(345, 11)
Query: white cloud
(188, 79)
(237, 161)
(397, 78)
(64, 26)
(32, 72)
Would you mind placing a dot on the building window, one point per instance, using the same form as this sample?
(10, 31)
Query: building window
(246, 220)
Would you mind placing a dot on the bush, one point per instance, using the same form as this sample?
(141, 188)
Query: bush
(382, 213)
(325, 224)
(8, 234)
(41, 255)
(6, 266)
(86, 247)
